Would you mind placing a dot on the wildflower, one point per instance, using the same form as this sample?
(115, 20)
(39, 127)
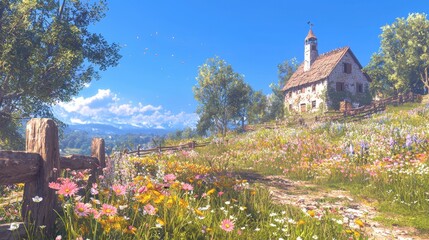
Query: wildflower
(169, 177)
(82, 209)
(94, 190)
(311, 213)
(58, 237)
(122, 207)
(227, 202)
(299, 238)
(187, 187)
(13, 226)
(108, 210)
(359, 222)
(131, 230)
(227, 225)
(149, 209)
(54, 185)
(220, 194)
(119, 190)
(159, 222)
(257, 229)
(68, 188)
(37, 199)
(211, 191)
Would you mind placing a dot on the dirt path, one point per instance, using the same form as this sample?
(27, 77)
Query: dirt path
(306, 195)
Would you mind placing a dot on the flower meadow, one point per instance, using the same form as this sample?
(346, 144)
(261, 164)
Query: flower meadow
(199, 194)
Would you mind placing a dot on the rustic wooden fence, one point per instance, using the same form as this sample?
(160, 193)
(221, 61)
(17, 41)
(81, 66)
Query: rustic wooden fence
(186, 146)
(347, 114)
(36, 167)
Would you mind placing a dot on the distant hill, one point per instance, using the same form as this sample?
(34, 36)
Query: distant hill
(77, 138)
(104, 129)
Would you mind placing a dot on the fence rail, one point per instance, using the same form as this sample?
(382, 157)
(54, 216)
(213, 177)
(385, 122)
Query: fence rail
(348, 114)
(36, 167)
(186, 146)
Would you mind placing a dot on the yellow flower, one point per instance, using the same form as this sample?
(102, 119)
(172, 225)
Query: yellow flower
(160, 221)
(199, 213)
(311, 213)
(143, 198)
(356, 233)
(301, 222)
(183, 203)
(359, 222)
(211, 191)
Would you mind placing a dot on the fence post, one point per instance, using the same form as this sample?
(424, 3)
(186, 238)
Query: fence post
(97, 151)
(42, 138)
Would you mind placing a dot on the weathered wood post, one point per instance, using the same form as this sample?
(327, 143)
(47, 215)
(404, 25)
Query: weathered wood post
(42, 138)
(98, 151)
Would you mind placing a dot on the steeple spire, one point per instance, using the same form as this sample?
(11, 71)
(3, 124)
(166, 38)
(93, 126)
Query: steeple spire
(310, 48)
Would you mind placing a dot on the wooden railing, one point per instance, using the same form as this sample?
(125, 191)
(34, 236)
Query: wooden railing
(351, 114)
(36, 167)
(187, 146)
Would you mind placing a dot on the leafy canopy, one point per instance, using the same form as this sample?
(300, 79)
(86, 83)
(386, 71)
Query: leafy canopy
(223, 96)
(47, 55)
(403, 60)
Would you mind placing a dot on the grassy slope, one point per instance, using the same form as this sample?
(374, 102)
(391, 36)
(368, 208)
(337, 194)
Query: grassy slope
(371, 158)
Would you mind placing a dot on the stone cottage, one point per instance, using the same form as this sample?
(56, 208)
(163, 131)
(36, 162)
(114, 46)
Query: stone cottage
(322, 81)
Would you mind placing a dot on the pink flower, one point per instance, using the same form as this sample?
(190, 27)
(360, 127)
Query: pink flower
(227, 225)
(58, 237)
(94, 190)
(95, 213)
(108, 210)
(220, 194)
(119, 190)
(187, 187)
(82, 209)
(149, 209)
(169, 177)
(68, 188)
(142, 189)
(55, 185)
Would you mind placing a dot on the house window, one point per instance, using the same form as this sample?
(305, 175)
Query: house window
(303, 107)
(313, 88)
(340, 86)
(313, 104)
(313, 47)
(347, 67)
(302, 90)
(290, 94)
(359, 88)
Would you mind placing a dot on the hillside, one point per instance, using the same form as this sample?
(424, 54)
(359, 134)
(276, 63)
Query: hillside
(379, 163)
(357, 180)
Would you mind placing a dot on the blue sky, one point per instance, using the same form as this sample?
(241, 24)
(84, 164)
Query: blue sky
(164, 42)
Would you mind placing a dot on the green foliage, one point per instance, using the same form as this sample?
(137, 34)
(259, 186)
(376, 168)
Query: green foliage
(47, 55)
(258, 108)
(222, 94)
(276, 99)
(403, 60)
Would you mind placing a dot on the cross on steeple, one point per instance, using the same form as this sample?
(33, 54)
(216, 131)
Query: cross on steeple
(310, 24)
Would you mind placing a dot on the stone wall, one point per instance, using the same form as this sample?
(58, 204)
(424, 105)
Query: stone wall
(295, 99)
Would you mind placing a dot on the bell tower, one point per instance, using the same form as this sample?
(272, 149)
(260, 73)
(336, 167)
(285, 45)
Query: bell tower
(310, 49)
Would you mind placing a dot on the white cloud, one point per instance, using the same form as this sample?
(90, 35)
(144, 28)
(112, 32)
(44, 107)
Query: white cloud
(105, 107)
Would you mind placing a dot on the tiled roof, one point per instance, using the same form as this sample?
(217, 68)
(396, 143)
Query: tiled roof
(320, 68)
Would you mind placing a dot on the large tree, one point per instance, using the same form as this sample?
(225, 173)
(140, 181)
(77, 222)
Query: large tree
(404, 55)
(47, 55)
(276, 99)
(222, 96)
